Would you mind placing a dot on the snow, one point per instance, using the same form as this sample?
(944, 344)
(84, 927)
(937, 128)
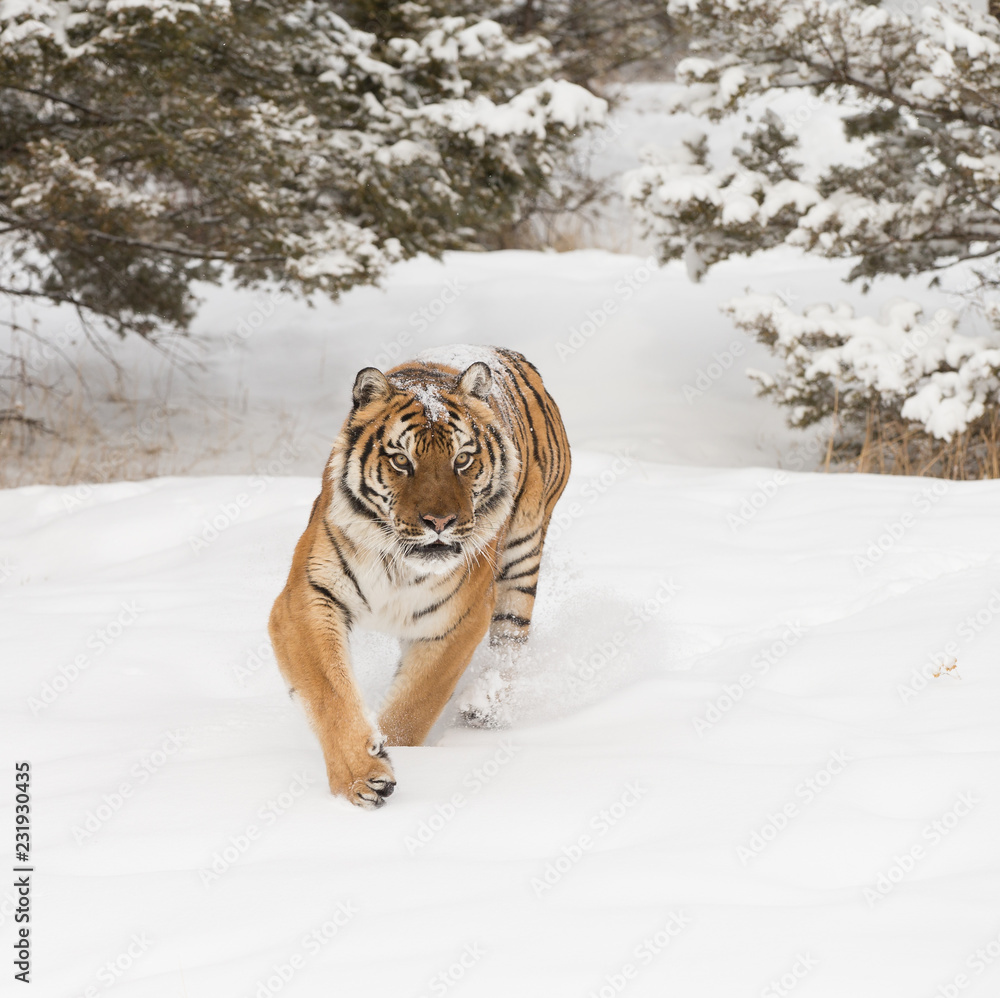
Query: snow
(528, 113)
(788, 192)
(725, 727)
(429, 397)
(265, 379)
(944, 377)
(957, 36)
(735, 753)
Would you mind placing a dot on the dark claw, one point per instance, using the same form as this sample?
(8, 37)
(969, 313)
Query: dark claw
(383, 788)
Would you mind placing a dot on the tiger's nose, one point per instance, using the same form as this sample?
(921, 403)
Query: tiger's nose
(439, 523)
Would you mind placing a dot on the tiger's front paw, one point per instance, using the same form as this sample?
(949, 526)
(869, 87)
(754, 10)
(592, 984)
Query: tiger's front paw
(364, 776)
(371, 790)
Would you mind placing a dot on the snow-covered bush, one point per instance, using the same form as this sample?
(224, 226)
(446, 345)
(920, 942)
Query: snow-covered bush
(588, 38)
(145, 144)
(915, 190)
(903, 395)
(922, 94)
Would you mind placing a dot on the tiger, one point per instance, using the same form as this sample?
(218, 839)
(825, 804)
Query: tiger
(429, 526)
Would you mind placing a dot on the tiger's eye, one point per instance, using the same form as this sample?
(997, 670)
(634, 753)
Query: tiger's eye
(463, 461)
(400, 462)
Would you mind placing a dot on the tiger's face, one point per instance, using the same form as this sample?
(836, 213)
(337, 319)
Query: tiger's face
(425, 468)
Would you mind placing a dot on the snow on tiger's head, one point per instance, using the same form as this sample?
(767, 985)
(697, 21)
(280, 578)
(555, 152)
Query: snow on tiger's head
(424, 468)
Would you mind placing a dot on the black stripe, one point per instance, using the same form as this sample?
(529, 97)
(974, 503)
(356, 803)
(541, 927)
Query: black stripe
(355, 503)
(365, 452)
(546, 417)
(494, 500)
(527, 590)
(504, 577)
(367, 491)
(441, 602)
(524, 557)
(524, 409)
(418, 371)
(501, 470)
(549, 415)
(343, 564)
(441, 637)
(513, 618)
(526, 537)
(327, 595)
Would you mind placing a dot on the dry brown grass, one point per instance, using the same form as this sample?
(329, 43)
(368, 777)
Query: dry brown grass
(894, 446)
(105, 429)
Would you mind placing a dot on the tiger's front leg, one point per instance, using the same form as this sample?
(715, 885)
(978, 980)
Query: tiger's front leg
(429, 672)
(310, 644)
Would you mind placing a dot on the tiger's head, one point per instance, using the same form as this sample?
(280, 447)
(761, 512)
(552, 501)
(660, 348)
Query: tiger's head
(424, 469)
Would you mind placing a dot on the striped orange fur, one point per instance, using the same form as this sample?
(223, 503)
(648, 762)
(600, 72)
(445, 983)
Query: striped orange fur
(429, 526)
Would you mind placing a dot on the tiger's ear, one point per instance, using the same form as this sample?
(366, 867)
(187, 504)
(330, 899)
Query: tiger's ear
(370, 384)
(477, 381)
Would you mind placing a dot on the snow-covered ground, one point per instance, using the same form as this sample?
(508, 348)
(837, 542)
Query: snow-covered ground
(728, 763)
(728, 767)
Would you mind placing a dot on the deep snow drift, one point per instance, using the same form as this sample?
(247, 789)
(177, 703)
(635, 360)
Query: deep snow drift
(728, 761)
